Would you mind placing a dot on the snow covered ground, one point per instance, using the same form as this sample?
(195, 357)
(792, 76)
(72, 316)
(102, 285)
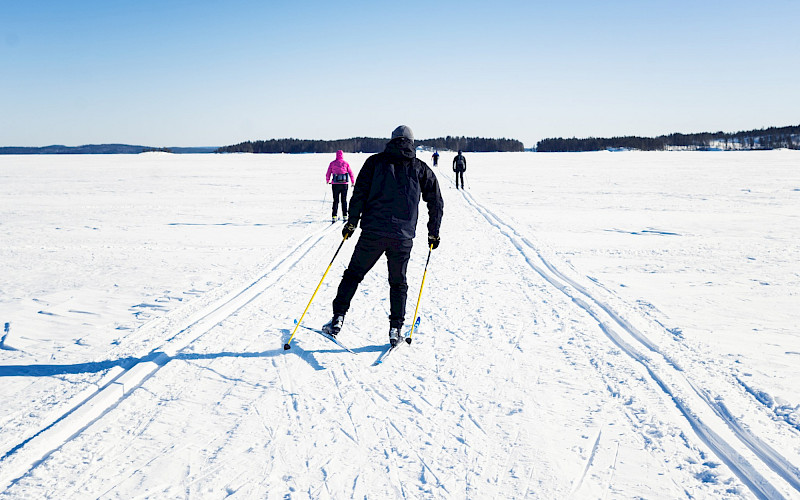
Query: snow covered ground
(594, 325)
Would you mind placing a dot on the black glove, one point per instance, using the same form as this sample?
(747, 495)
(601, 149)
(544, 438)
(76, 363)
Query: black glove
(433, 241)
(348, 230)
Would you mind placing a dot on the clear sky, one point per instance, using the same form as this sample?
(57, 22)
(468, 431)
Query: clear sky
(202, 73)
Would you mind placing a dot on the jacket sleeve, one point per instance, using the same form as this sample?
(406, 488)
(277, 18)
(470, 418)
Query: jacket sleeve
(362, 188)
(352, 178)
(328, 174)
(432, 196)
(454, 164)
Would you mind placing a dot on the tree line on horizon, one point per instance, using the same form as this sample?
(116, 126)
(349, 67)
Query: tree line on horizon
(371, 145)
(765, 138)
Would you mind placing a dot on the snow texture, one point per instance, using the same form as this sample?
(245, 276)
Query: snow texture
(594, 325)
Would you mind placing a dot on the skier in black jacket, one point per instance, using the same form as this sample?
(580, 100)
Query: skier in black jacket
(459, 167)
(386, 202)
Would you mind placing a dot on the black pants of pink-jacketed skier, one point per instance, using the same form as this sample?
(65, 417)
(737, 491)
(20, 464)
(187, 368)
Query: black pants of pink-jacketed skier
(339, 193)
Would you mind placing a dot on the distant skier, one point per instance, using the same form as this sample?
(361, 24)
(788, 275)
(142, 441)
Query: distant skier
(386, 202)
(435, 158)
(338, 175)
(459, 167)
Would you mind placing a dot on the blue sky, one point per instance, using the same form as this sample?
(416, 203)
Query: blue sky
(200, 73)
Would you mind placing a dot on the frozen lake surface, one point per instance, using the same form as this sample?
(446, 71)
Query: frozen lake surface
(593, 325)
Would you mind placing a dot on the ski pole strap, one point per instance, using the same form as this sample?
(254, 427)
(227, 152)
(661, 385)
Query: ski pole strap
(430, 249)
(286, 346)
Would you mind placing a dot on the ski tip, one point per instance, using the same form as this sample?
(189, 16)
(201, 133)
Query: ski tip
(286, 347)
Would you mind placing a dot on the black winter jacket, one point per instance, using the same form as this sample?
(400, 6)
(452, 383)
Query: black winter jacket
(388, 189)
(459, 166)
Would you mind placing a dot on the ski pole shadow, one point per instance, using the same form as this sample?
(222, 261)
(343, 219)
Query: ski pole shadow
(306, 355)
(52, 370)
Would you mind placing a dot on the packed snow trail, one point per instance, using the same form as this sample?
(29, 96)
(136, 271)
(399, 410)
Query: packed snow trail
(512, 388)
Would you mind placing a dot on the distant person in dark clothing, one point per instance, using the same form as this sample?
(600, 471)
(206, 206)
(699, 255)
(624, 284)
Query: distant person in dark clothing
(338, 175)
(386, 202)
(459, 167)
(435, 158)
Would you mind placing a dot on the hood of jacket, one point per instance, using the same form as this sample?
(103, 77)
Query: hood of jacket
(401, 147)
(339, 155)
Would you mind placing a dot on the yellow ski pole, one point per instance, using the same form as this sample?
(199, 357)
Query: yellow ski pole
(286, 346)
(408, 339)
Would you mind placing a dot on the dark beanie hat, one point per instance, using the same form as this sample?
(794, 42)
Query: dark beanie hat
(403, 131)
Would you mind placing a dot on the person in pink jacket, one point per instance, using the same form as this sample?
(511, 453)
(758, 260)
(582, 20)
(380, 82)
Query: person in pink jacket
(338, 175)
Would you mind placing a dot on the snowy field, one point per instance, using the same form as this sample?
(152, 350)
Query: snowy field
(594, 325)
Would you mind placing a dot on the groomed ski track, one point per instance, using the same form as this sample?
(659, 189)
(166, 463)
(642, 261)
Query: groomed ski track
(464, 412)
(119, 382)
(706, 412)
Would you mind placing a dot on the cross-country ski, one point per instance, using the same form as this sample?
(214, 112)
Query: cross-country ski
(406, 339)
(327, 336)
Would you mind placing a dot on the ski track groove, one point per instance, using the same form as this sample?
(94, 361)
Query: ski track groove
(588, 462)
(394, 466)
(23, 458)
(512, 453)
(214, 464)
(723, 448)
(346, 408)
(770, 456)
(439, 483)
(614, 471)
(391, 445)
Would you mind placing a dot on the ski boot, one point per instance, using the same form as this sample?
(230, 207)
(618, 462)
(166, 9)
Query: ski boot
(334, 326)
(334, 219)
(394, 336)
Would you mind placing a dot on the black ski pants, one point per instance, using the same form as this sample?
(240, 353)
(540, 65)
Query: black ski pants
(369, 249)
(339, 192)
(460, 173)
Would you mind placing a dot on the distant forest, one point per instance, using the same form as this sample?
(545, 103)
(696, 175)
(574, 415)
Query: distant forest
(768, 138)
(370, 145)
(98, 149)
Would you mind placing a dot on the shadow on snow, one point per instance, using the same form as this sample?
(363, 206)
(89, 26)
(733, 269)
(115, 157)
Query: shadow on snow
(51, 370)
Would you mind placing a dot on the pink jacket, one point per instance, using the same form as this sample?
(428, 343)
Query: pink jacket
(338, 167)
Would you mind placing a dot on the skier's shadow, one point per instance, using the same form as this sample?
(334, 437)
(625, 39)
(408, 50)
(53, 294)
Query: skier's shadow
(51, 370)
